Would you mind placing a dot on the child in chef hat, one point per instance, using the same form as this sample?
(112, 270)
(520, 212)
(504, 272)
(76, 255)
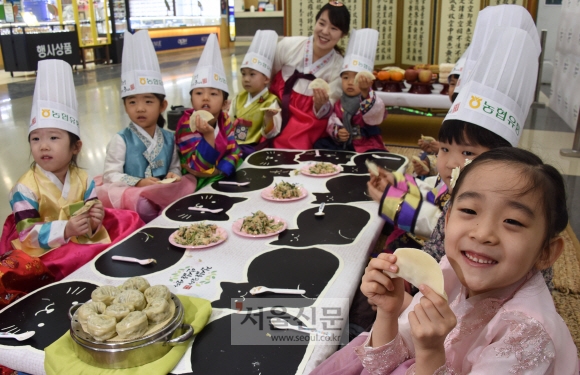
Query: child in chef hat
(425, 166)
(56, 214)
(142, 170)
(256, 111)
(354, 122)
(207, 146)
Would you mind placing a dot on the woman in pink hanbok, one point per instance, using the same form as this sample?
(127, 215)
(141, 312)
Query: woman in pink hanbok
(506, 213)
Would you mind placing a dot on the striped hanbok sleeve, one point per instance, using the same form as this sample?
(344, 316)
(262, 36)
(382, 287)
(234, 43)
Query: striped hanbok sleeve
(194, 152)
(32, 232)
(233, 154)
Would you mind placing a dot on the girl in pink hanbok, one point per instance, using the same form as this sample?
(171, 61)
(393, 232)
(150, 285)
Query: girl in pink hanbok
(502, 228)
(299, 60)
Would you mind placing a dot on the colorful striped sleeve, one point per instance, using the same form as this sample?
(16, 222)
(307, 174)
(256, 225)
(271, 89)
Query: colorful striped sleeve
(91, 192)
(194, 151)
(233, 152)
(32, 232)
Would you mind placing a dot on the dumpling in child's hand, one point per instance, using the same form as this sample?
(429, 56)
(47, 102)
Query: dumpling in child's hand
(119, 311)
(134, 325)
(137, 283)
(132, 297)
(101, 327)
(157, 291)
(87, 310)
(157, 310)
(105, 293)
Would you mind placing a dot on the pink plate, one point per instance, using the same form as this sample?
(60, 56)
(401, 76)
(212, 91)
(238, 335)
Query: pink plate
(305, 170)
(220, 232)
(267, 195)
(237, 228)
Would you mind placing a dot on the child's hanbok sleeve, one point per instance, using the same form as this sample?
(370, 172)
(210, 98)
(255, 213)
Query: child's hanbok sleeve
(406, 205)
(271, 132)
(383, 359)
(334, 125)
(115, 162)
(32, 232)
(175, 166)
(373, 109)
(233, 154)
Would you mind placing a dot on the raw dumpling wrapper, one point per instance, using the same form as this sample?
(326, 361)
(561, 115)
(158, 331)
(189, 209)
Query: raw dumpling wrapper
(87, 310)
(157, 310)
(157, 291)
(101, 327)
(364, 73)
(133, 325)
(205, 116)
(132, 297)
(137, 283)
(421, 162)
(105, 293)
(119, 311)
(319, 83)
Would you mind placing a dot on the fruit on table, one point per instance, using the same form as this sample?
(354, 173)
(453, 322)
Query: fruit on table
(425, 76)
(411, 75)
(396, 76)
(383, 75)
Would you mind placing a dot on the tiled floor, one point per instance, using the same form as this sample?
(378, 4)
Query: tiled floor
(101, 115)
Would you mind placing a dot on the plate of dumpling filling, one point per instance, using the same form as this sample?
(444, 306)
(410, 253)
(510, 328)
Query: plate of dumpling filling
(258, 225)
(128, 325)
(198, 236)
(320, 169)
(284, 192)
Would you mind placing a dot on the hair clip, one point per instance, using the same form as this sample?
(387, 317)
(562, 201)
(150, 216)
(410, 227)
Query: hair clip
(336, 3)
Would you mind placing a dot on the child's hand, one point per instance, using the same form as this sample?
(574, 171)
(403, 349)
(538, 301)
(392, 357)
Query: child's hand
(173, 175)
(343, 135)
(429, 147)
(431, 321)
(378, 184)
(418, 168)
(385, 293)
(77, 226)
(364, 85)
(96, 215)
(147, 181)
(203, 127)
(320, 98)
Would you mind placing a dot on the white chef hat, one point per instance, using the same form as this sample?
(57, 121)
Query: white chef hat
(261, 53)
(361, 51)
(500, 90)
(210, 71)
(505, 15)
(460, 64)
(140, 73)
(54, 103)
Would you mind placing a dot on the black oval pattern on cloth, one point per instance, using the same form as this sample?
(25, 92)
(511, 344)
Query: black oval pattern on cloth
(388, 164)
(340, 225)
(259, 178)
(151, 242)
(44, 311)
(213, 351)
(179, 210)
(345, 189)
(327, 156)
(268, 158)
(308, 269)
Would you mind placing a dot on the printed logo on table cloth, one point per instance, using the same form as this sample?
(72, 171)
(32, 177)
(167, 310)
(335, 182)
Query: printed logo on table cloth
(59, 115)
(189, 277)
(493, 110)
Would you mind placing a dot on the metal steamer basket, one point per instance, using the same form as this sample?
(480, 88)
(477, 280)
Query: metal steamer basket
(130, 353)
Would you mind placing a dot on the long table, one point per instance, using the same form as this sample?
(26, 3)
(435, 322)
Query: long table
(404, 99)
(324, 255)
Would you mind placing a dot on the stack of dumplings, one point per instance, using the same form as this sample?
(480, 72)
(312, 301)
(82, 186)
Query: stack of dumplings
(125, 311)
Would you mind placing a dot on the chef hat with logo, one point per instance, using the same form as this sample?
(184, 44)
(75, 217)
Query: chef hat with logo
(501, 88)
(505, 15)
(460, 64)
(261, 53)
(54, 102)
(140, 73)
(361, 51)
(210, 71)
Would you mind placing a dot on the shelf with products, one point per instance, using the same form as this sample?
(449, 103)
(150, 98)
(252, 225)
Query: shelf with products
(172, 21)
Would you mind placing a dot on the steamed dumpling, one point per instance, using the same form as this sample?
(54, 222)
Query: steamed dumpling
(157, 291)
(119, 311)
(87, 310)
(137, 283)
(101, 327)
(133, 326)
(105, 293)
(157, 310)
(132, 297)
